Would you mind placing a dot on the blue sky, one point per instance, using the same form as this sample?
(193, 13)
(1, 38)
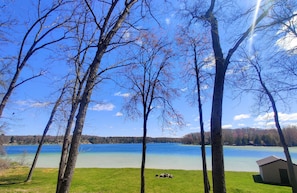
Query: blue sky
(29, 107)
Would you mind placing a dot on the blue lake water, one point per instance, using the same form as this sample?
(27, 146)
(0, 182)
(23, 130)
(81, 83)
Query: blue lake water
(159, 155)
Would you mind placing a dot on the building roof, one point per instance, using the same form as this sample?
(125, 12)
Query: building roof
(270, 160)
(267, 160)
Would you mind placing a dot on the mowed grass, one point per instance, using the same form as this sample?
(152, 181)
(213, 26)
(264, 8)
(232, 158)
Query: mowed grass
(127, 180)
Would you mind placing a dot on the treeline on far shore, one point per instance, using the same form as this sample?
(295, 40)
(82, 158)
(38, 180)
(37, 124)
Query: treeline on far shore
(238, 137)
(248, 136)
(86, 139)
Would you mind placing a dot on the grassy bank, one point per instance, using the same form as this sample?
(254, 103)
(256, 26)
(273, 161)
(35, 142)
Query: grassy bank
(127, 180)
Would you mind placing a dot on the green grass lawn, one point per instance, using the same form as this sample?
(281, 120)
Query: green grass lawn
(128, 180)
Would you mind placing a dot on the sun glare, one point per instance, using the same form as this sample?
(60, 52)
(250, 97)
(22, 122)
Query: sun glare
(254, 23)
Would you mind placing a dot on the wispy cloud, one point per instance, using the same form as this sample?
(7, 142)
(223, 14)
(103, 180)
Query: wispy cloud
(31, 103)
(288, 41)
(119, 114)
(122, 94)
(263, 124)
(127, 35)
(168, 21)
(282, 117)
(184, 89)
(103, 107)
(210, 62)
(267, 119)
(241, 125)
(227, 126)
(241, 116)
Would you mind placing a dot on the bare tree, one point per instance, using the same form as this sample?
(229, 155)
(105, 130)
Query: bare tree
(221, 65)
(82, 46)
(149, 83)
(7, 22)
(195, 48)
(255, 63)
(47, 127)
(114, 14)
(36, 38)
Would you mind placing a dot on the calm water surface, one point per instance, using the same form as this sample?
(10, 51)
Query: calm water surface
(159, 155)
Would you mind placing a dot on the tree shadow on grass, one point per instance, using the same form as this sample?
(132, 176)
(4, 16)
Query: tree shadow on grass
(258, 179)
(11, 180)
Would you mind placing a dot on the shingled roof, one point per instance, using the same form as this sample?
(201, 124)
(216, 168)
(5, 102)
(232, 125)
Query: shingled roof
(267, 160)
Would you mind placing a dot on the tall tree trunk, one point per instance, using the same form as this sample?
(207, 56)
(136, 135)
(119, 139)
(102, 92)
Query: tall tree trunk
(54, 110)
(67, 138)
(75, 142)
(103, 42)
(203, 152)
(218, 173)
(76, 95)
(290, 165)
(142, 175)
(65, 147)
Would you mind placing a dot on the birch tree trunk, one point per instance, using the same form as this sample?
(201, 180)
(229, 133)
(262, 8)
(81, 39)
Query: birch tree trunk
(104, 40)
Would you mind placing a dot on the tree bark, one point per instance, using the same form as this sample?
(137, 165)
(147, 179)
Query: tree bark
(54, 110)
(222, 63)
(142, 175)
(75, 142)
(65, 147)
(203, 152)
(103, 43)
(290, 164)
(76, 95)
(218, 171)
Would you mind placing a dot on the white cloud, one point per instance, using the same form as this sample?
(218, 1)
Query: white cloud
(287, 117)
(40, 104)
(265, 117)
(196, 119)
(168, 21)
(31, 103)
(282, 117)
(210, 62)
(263, 124)
(241, 116)
(119, 114)
(122, 94)
(241, 125)
(127, 35)
(204, 87)
(184, 89)
(192, 128)
(289, 41)
(103, 107)
(226, 126)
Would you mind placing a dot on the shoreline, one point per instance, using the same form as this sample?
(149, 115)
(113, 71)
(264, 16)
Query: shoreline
(159, 156)
(133, 160)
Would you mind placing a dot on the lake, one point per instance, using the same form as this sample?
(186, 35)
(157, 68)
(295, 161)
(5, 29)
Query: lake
(159, 156)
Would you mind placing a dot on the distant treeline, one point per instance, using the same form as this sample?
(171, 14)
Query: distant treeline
(238, 137)
(86, 139)
(248, 136)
